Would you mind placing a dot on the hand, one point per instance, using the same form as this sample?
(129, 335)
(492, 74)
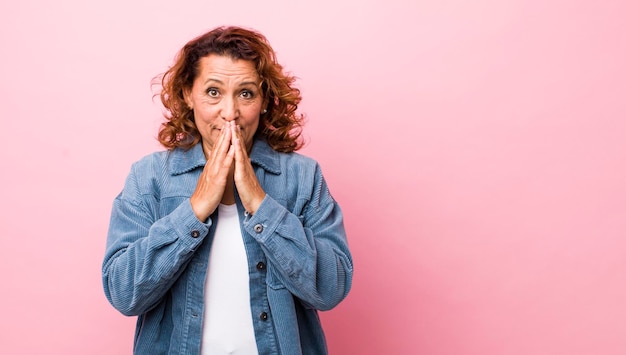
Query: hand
(215, 175)
(250, 191)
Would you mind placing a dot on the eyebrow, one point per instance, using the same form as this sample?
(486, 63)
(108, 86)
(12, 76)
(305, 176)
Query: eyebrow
(244, 83)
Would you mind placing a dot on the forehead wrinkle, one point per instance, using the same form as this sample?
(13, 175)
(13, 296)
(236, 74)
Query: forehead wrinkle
(243, 83)
(224, 71)
(208, 80)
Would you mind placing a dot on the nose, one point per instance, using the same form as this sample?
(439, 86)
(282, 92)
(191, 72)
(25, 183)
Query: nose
(229, 110)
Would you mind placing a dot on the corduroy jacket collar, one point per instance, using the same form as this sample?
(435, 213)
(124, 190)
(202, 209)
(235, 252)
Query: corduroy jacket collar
(262, 155)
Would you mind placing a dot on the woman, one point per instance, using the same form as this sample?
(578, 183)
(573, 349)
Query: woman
(228, 242)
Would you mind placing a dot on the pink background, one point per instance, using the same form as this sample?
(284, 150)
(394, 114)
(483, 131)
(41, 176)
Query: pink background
(477, 147)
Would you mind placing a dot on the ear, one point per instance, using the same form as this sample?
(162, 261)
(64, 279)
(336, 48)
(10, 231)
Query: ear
(187, 96)
(266, 96)
(264, 104)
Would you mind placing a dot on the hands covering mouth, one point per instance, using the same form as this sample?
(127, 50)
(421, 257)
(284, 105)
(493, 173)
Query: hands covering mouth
(227, 164)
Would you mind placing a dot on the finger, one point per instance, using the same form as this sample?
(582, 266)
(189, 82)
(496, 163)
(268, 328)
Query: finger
(245, 178)
(238, 135)
(224, 142)
(238, 150)
(219, 154)
(214, 149)
(250, 191)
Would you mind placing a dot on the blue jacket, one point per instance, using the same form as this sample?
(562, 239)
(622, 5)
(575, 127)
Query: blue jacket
(157, 253)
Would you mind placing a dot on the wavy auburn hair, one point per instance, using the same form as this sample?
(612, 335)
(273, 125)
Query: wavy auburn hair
(280, 125)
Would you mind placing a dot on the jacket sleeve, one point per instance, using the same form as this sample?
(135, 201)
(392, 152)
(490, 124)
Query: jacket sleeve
(308, 252)
(145, 256)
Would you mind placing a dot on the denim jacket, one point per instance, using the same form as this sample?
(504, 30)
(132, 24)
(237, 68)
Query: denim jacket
(157, 253)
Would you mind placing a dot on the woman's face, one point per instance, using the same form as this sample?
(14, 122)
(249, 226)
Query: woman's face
(225, 90)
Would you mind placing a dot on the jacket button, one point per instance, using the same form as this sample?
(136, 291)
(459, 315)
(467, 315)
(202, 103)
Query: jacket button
(263, 316)
(260, 266)
(258, 228)
(195, 233)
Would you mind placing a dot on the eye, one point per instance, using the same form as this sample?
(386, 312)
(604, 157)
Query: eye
(212, 92)
(247, 94)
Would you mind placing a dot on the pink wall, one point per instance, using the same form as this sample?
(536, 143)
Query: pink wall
(477, 147)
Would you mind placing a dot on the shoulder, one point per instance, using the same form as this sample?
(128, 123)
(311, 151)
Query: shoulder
(298, 159)
(151, 165)
(163, 173)
(144, 173)
(173, 162)
(154, 158)
(277, 162)
(300, 170)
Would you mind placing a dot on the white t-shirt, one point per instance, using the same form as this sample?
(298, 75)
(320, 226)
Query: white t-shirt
(227, 327)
